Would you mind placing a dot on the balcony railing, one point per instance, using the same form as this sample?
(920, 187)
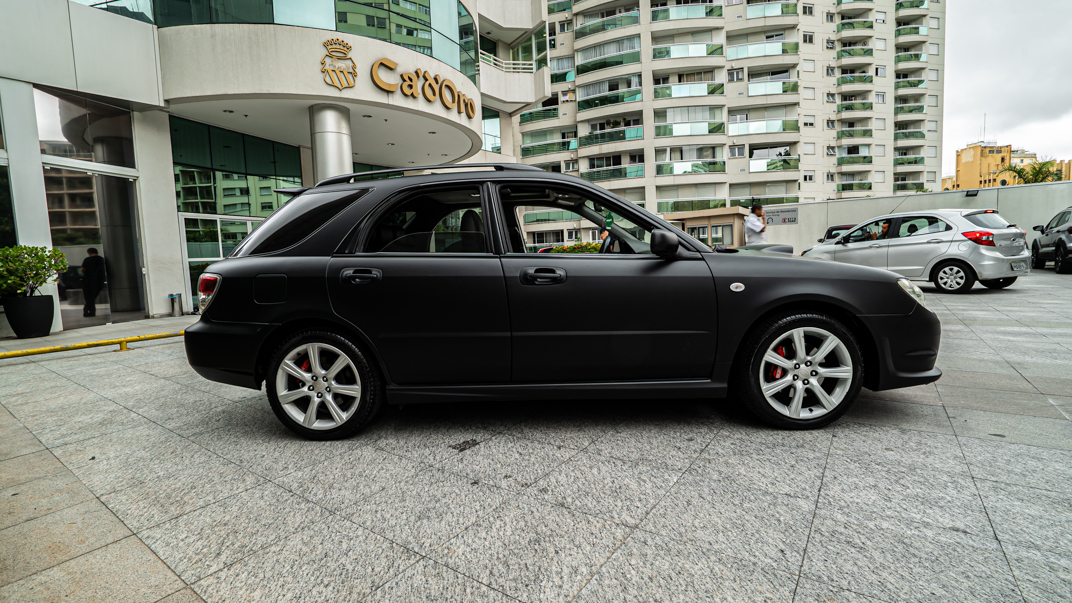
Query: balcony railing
(763, 200)
(775, 87)
(680, 51)
(905, 57)
(856, 106)
(840, 2)
(909, 160)
(673, 205)
(775, 164)
(855, 133)
(614, 173)
(695, 128)
(685, 11)
(607, 24)
(858, 51)
(545, 217)
(855, 24)
(907, 4)
(139, 10)
(761, 49)
(915, 187)
(698, 166)
(910, 83)
(686, 90)
(771, 9)
(538, 115)
(559, 7)
(563, 76)
(616, 135)
(507, 66)
(909, 135)
(763, 126)
(854, 160)
(606, 62)
(844, 187)
(911, 30)
(543, 148)
(855, 79)
(629, 95)
(908, 109)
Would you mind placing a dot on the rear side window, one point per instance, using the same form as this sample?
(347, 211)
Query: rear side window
(993, 220)
(297, 219)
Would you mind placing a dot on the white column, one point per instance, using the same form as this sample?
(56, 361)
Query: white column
(333, 153)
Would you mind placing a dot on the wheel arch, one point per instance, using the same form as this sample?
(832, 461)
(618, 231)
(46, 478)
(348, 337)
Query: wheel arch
(287, 329)
(933, 273)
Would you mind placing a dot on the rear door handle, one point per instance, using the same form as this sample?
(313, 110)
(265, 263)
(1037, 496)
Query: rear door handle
(874, 246)
(934, 241)
(543, 276)
(360, 276)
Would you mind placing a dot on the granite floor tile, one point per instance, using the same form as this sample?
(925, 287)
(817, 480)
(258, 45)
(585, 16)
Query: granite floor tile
(763, 437)
(915, 448)
(1018, 429)
(571, 430)
(426, 442)
(1055, 368)
(1042, 576)
(1042, 468)
(333, 560)
(508, 462)
(28, 467)
(749, 464)
(18, 443)
(648, 567)
(810, 591)
(427, 580)
(41, 496)
(1051, 385)
(674, 444)
(1034, 405)
(923, 394)
(122, 571)
(900, 415)
(204, 541)
(340, 483)
(533, 551)
(1029, 517)
(186, 595)
(48, 540)
(98, 418)
(975, 365)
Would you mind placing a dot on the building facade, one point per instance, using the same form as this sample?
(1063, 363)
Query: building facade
(687, 106)
(978, 165)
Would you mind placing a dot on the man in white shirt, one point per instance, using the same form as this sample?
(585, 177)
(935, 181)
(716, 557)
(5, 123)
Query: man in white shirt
(755, 226)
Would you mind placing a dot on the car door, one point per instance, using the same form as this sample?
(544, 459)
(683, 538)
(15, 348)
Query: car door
(867, 245)
(1049, 237)
(626, 315)
(918, 241)
(426, 288)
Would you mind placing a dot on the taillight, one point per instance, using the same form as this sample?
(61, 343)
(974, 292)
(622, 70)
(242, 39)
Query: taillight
(207, 285)
(980, 237)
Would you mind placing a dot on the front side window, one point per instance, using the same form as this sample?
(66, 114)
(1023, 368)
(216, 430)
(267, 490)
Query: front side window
(875, 231)
(440, 221)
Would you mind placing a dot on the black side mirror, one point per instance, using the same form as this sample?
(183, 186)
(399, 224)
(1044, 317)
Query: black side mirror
(664, 243)
(1039, 228)
(821, 240)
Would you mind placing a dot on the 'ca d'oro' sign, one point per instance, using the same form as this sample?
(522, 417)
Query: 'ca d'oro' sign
(433, 89)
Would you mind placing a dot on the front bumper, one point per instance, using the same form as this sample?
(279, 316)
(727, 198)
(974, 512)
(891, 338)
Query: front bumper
(907, 348)
(226, 352)
(989, 264)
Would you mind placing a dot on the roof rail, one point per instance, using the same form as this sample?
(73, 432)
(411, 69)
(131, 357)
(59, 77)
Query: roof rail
(499, 167)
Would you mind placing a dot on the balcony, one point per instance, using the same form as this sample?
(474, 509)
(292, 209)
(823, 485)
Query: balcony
(771, 9)
(906, 57)
(761, 49)
(840, 2)
(776, 87)
(856, 106)
(845, 187)
(681, 51)
(855, 79)
(563, 76)
(674, 205)
(911, 30)
(904, 160)
(903, 187)
(909, 135)
(699, 166)
(614, 173)
(908, 4)
(855, 133)
(511, 85)
(629, 95)
(763, 126)
(763, 200)
(546, 217)
(776, 164)
(687, 90)
(909, 109)
(854, 160)
(855, 24)
(538, 115)
(696, 128)
(685, 11)
(606, 62)
(910, 83)
(859, 51)
(559, 7)
(617, 21)
(544, 148)
(616, 135)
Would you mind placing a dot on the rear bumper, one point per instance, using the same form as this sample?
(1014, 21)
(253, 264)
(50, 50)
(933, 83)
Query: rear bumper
(226, 352)
(907, 349)
(990, 264)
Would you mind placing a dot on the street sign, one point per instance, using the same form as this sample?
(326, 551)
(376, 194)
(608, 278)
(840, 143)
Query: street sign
(781, 217)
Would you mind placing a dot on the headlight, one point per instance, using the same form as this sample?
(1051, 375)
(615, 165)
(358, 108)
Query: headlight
(910, 288)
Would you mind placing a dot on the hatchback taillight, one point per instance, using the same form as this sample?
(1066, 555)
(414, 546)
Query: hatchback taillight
(207, 285)
(980, 237)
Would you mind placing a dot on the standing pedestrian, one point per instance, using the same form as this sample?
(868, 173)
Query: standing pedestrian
(92, 281)
(755, 226)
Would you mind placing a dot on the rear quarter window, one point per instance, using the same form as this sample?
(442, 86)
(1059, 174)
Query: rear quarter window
(988, 220)
(296, 220)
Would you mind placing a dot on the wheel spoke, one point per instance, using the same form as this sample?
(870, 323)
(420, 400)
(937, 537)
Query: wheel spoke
(798, 400)
(291, 396)
(293, 370)
(798, 344)
(310, 413)
(336, 412)
(769, 389)
(827, 347)
(346, 390)
(340, 363)
(824, 398)
(314, 359)
(773, 358)
(835, 372)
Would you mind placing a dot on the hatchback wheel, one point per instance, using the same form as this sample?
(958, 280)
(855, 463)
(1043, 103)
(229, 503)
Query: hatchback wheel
(1036, 262)
(322, 387)
(954, 277)
(998, 283)
(1061, 263)
(803, 371)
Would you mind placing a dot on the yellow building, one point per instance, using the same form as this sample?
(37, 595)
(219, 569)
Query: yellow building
(978, 165)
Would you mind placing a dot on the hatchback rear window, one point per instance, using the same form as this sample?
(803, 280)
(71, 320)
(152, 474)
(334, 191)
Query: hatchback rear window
(993, 220)
(297, 219)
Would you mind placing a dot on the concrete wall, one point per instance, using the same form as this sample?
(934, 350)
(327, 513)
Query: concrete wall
(1024, 206)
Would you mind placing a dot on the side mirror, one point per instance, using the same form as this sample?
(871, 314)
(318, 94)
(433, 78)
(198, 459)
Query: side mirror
(821, 239)
(1039, 228)
(664, 243)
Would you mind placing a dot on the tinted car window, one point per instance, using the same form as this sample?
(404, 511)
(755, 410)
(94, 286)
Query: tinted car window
(922, 225)
(296, 220)
(1063, 219)
(993, 220)
(441, 221)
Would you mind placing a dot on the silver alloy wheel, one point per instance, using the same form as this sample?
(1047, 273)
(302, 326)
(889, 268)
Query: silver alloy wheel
(952, 277)
(314, 396)
(810, 376)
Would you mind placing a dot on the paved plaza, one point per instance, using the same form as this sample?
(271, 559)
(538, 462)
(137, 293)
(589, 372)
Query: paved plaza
(126, 477)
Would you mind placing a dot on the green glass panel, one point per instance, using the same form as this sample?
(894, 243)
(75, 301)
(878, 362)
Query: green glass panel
(762, 49)
(613, 98)
(189, 143)
(910, 160)
(615, 22)
(912, 30)
(287, 161)
(908, 109)
(906, 4)
(7, 211)
(845, 53)
(855, 79)
(558, 7)
(689, 205)
(765, 88)
(615, 173)
(627, 58)
(763, 126)
(260, 156)
(855, 133)
(690, 128)
(910, 83)
(550, 216)
(707, 166)
(910, 56)
(852, 25)
(611, 136)
(771, 9)
(908, 186)
(557, 146)
(563, 76)
(909, 135)
(748, 201)
(539, 115)
(853, 186)
(857, 106)
(854, 160)
(686, 90)
(678, 51)
(692, 11)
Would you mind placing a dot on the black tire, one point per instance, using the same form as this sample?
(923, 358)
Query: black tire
(998, 283)
(1061, 263)
(1037, 262)
(369, 381)
(966, 283)
(747, 373)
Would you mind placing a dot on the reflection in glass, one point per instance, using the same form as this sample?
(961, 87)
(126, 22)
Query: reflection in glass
(232, 234)
(7, 211)
(201, 191)
(71, 126)
(142, 10)
(202, 238)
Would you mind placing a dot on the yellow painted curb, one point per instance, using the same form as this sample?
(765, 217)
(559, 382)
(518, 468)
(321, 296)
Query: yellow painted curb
(122, 343)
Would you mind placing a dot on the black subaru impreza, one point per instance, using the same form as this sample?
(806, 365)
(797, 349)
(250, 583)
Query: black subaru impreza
(505, 282)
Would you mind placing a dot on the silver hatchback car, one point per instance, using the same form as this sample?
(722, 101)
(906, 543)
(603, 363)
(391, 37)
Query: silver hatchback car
(952, 248)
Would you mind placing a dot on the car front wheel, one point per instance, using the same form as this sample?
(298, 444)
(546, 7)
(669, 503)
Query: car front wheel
(1036, 262)
(954, 277)
(1061, 262)
(998, 283)
(801, 371)
(322, 387)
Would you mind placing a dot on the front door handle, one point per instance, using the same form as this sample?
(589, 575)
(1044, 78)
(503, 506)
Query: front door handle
(543, 276)
(360, 276)
(934, 241)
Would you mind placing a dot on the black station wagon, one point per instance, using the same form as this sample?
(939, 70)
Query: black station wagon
(459, 283)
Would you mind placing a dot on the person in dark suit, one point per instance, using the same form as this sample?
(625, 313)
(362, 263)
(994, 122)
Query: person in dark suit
(92, 281)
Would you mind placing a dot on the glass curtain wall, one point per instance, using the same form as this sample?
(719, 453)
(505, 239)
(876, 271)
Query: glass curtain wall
(7, 211)
(492, 134)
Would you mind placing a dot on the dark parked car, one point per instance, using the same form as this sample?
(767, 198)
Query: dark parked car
(836, 231)
(428, 288)
(1053, 243)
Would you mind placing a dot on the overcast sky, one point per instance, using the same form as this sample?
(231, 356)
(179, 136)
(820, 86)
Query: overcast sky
(1008, 60)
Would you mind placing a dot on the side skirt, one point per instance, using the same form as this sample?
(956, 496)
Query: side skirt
(614, 390)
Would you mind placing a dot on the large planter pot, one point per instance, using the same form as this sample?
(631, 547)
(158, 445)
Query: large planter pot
(30, 316)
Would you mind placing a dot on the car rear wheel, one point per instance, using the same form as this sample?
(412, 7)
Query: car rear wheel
(803, 371)
(322, 386)
(953, 277)
(1036, 261)
(998, 283)
(1061, 263)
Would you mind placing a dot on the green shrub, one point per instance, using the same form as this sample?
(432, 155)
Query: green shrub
(592, 247)
(25, 269)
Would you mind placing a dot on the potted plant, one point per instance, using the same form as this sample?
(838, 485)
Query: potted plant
(23, 271)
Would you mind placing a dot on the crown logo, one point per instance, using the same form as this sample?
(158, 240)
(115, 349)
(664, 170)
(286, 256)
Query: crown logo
(337, 47)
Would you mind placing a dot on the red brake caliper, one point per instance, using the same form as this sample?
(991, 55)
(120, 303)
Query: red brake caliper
(778, 372)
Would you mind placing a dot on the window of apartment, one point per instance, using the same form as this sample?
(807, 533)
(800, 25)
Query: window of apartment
(831, 150)
(595, 163)
(267, 206)
(880, 97)
(880, 176)
(932, 126)
(932, 100)
(569, 165)
(880, 17)
(635, 158)
(809, 121)
(566, 96)
(831, 97)
(880, 71)
(932, 49)
(808, 65)
(932, 176)
(932, 75)
(565, 26)
(264, 190)
(809, 176)
(807, 148)
(736, 150)
(572, 235)
(880, 123)
(831, 45)
(879, 150)
(808, 10)
(932, 151)
(880, 43)
(831, 72)
(829, 17)
(831, 124)
(660, 81)
(809, 37)
(735, 75)
(808, 93)
(830, 176)
(935, 23)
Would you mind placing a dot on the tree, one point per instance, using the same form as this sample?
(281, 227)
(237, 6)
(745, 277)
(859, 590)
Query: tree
(1033, 173)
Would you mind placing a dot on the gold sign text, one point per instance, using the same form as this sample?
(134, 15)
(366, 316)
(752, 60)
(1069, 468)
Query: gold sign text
(434, 87)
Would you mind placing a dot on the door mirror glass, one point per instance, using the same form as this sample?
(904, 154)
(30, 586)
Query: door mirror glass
(1038, 228)
(664, 243)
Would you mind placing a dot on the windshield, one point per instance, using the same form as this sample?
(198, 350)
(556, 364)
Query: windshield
(988, 220)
